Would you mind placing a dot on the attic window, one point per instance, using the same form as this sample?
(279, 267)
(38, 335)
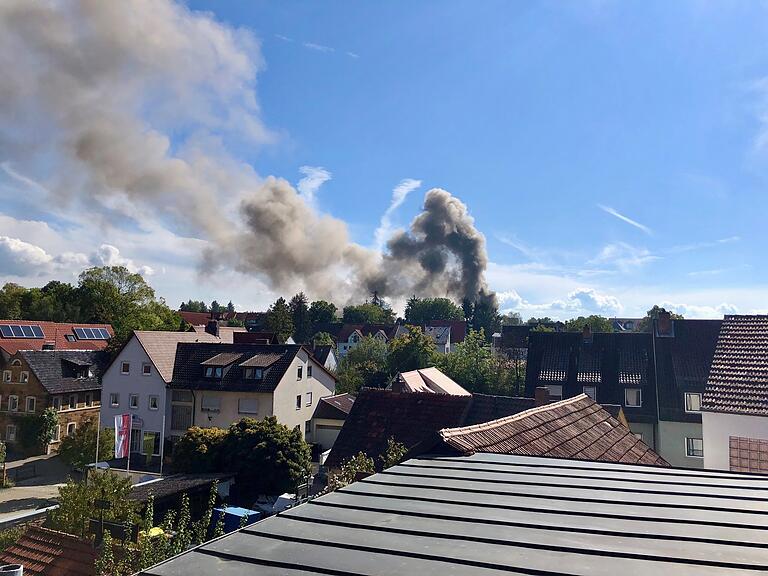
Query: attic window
(254, 373)
(70, 337)
(213, 371)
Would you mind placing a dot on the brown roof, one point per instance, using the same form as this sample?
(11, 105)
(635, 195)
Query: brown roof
(226, 333)
(45, 552)
(261, 360)
(738, 378)
(335, 407)
(576, 428)
(160, 346)
(458, 329)
(195, 318)
(221, 359)
(55, 333)
(485, 407)
(429, 380)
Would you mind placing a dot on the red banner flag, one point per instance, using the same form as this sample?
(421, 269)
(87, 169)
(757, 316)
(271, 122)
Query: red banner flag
(122, 435)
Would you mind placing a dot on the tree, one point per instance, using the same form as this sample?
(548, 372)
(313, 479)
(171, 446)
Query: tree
(394, 453)
(411, 351)
(543, 320)
(473, 367)
(231, 307)
(646, 324)
(361, 463)
(349, 380)
(323, 339)
(302, 324)
(321, 313)
(199, 450)
(364, 365)
(368, 314)
(596, 324)
(486, 317)
(268, 457)
(215, 307)
(79, 449)
(194, 306)
(279, 320)
(77, 502)
(35, 431)
(422, 311)
(511, 319)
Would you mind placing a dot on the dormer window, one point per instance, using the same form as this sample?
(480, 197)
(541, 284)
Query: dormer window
(354, 338)
(213, 371)
(254, 373)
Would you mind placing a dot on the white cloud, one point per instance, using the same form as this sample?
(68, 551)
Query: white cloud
(108, 255)
(314, 177)
(702, 245)
(591, 300)
(318, 47)
(19, 258)
(399, 194)
(699, 311)
(626, 219)
(623, 257)
(353, 54)
(283, 38)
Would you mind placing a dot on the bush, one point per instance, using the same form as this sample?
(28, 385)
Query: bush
(35, 431)
(199, 450)
(360, 463)
(79, 449)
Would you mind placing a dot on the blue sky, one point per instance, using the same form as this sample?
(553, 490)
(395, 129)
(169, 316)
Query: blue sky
(614, 154)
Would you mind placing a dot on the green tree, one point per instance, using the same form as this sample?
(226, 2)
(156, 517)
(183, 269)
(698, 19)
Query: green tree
(321, 313)
(349, 380)
(279, 320)
(231, 307)
(215, 307)
(543, 320)
(194, 306)
(79, 449)
(77, 502)
(421, 311)
(268, 457)
(646, 323)
(368, 314)
(361, 463)
(411, 351)
(199, 450)
(302, 324)
(323, 339)
(475, 368)
(35, 431)
(486, 317)
(364, 365)
(9, 536)
(394, 454)
(511, 319)
(10, 301)
(595, 322)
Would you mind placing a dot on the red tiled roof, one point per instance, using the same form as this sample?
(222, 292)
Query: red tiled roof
(45, 552)
(738, 378)
(53, 332)
(576, 428)
(195, 318)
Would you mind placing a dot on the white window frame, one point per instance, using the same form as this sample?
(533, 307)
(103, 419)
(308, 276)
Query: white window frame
(298, 402)
(156, 398)
(114, 399)
(69, 400)
(34, 403)
(10, 436)
(300, 372)
(246, 409)
(56, 403)
(308, 398)
(125, 367)
(594, 392)
(23, 377)
(639, 397)
(131, 404)
(15, 398)
(690, 448)
(88, 399)
(638, 435)
(686, 396)
(16, 362)
(56, 434)
(146, 369)
(7, 376)
(71, 428)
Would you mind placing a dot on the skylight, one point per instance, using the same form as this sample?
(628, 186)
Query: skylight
(91, 333)
(21, 331)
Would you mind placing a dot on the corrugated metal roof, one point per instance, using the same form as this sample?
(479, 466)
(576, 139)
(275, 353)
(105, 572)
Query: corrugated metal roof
(500, 514)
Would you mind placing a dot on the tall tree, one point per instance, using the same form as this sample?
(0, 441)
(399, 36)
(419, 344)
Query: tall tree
(485, 317)
(193, 306)
(279, 319)
(320, 313)
(646, 323)
(368, 314)
(302, 325)
(421, 311)
(364, 365)
(596, 324)
(473, 366)
(215, 307)
(79, 449)
(231, 307)
(411, 351)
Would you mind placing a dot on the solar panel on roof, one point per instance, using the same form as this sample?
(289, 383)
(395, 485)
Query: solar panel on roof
(17, 332)
(27, 331)
(79, 333)
(104, 333)
(37, 331)
(21, 331)
(5, 330)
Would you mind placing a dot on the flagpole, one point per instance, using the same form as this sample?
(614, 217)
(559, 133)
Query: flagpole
(130, 433)
(162, 444)
(98, 433)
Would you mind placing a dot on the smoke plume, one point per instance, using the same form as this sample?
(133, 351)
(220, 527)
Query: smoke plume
(125, 111)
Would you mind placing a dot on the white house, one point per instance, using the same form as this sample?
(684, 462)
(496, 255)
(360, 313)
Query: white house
(214, 385)
(441, 336)
(136, 382)
(735, 403)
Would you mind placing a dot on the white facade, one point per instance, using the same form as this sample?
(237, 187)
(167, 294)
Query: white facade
(139, 391)
(718, 429)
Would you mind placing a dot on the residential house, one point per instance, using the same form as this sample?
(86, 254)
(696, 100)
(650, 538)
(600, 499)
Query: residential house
(350, 335)
(441, 336)
(506, 514)
(577, 428)
(458, 330)
(33, 380)
(657, 377)
(427, 380)
(735, 404)
(214, 385)
(137, 379)
(329, 417)
(326, 355)
(18, 335)
(45, 552)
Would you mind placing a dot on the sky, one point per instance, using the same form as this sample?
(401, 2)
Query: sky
(613, 155)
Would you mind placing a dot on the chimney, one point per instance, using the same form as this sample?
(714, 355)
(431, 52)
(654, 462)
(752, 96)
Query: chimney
(664, 325)
(586, 334)
(541, 396)
(212, 328)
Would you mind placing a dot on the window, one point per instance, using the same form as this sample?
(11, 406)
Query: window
(694, 447)
(31, 402)
(10, 433)
(693, 402)
(125, 368)
(6, 375)
(56, 433)
(218, 371)
(638, 435)
(182, 396)
(247, 406)
(70, 337)
(307, 428)
(154, 437)
(298, 402)
(209, 371)
(114, 399)
(136, 440)
(309, 370)
(154, 402)
(210, 403)
(72, 401)
(555, 392)
(88, 399)
(590, 391)
(71, 427)
(133, 401)
(24, 377)
(13, 403)
(146, 369)
(299, 372)
(16, 362)
(633, 397)
(248, 374)
(309, 398)
(57, 403)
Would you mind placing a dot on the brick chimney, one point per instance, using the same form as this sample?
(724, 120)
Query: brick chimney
(586, 334)
(212, 327)
(664, 325)
(541, 396)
